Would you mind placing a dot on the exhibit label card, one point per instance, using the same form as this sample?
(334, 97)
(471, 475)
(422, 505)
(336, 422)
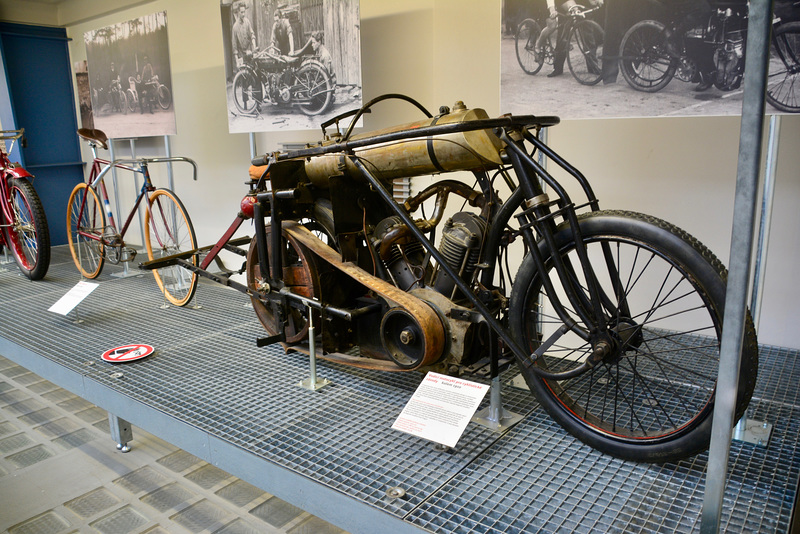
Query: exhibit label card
(441, 408)
(74, 296)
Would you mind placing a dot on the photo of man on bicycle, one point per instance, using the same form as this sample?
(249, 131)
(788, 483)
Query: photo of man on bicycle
(554, 7)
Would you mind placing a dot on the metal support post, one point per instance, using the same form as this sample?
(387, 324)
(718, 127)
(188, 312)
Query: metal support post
(313, 382)
(121, 432)
(494, 416)
(759, 24)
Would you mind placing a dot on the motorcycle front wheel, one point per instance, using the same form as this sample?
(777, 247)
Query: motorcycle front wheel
(246, 92)
(645, 63)
(313, 87)
(652, 398)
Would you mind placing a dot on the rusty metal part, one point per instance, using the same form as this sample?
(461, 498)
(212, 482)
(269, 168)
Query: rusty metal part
(430, 326)
(299, 277)
(463, 151)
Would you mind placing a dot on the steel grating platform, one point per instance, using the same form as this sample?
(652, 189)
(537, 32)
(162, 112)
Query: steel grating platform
(209, 390)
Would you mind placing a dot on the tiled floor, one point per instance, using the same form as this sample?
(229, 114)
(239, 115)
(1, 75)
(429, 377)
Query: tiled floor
(60, 472)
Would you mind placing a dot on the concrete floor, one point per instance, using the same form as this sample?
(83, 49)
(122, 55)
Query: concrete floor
(60, 472)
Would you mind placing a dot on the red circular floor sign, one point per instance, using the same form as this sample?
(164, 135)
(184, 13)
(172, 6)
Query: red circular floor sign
(127, 353)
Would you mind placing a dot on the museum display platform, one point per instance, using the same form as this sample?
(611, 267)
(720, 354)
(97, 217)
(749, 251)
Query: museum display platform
(211, 391)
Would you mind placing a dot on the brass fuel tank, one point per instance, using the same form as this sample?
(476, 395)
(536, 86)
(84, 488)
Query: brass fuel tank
(463, 151)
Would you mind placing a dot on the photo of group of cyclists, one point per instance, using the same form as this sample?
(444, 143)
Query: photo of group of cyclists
(640, 58)
(129, 79)
(290, 65)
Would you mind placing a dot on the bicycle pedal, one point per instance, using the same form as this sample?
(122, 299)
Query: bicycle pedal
(127, 254)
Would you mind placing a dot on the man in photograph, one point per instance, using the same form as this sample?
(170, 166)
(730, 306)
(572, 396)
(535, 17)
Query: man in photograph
(244, 39)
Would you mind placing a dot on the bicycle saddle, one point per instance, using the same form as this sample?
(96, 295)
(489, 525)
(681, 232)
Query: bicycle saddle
(94, 136)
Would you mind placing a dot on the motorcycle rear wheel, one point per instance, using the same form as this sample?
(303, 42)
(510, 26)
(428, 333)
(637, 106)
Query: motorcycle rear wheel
(645, 64)
(653, 399)
(313, 87)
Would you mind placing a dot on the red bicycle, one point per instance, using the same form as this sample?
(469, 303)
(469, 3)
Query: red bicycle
(22, 219)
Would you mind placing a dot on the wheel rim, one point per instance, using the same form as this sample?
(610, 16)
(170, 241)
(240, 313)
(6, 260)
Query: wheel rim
(87, 251)
(22, 233)
(662, 381)
(170, 232)
(525, 44)
(783, 84)
(314, 88)
(646, 64)
(586, 53)
(245, 92)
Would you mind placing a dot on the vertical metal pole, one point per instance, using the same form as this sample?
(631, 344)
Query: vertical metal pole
(760, 20)
(767, 197)
(168, 152)
(252, 145)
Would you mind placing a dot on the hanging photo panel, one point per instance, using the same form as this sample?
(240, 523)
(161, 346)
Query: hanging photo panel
(637, 58)
(290, 66)
(130, 78)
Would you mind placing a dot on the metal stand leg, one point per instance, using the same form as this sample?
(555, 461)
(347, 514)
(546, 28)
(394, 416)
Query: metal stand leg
(312, 382)
(121, 432)
(495, 416)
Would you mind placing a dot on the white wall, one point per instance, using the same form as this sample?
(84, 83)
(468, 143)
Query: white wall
(440, 51)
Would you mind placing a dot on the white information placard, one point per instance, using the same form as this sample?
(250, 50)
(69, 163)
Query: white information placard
(74, 296)
(441, 408)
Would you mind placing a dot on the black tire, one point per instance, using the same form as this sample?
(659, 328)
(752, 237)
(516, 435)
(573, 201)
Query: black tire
(169, 232)
(525, 46)
(28, 236)
(645, 63)
(313, 87)
(164, 97)
(783, 83)
(246, 92)
(585, 58)
(652, 401)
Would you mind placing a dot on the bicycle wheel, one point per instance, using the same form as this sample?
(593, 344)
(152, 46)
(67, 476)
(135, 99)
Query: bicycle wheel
(525, 47)
(313, 88)
(586, 52)
(123, 102)
(131, 97)
(85, 223)
(652, 398)
(645, 64)
(783, 84)
(246, 92)
(27, 235)
(164, 97)
(170, 231)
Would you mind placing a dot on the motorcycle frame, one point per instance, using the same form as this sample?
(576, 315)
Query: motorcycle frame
(535, 215)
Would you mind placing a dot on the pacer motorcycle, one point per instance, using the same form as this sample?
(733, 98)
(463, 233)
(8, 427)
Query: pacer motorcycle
(614, 318)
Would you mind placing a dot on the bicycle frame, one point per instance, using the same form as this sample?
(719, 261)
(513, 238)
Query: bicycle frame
(101, 167)
(8, 171)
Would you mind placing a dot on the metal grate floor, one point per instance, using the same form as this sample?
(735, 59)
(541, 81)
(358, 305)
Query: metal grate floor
(208, 373)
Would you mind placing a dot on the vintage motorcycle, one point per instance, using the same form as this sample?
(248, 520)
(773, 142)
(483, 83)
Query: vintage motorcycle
(614, 318)
(691, 45)
(269, 78)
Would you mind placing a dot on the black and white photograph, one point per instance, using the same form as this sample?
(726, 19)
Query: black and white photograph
(290, 66)
(130, 78)
(640, 58)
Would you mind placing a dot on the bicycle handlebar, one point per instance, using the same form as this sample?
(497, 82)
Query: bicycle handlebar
(121, 163)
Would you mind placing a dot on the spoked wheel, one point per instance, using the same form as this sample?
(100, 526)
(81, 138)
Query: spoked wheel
(246, 92)
(646, 65)
(525, 45)
(783, 83)
(313, 87)
(169, 232)
(123, 102)
(27, 235)
(131, 98)
(164, 97)
(652, 397)
(586, 52)
(85, 224)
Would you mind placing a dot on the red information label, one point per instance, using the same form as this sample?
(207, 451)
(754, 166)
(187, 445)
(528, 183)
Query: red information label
(127, 353)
